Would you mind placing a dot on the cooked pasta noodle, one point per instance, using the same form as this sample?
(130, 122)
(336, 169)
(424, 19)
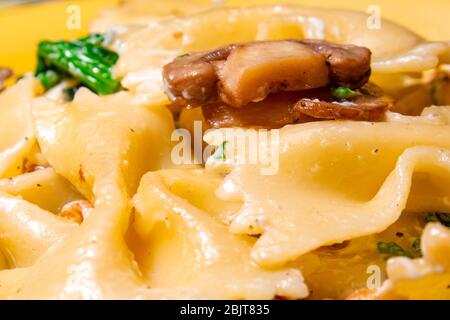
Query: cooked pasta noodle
(93, 205)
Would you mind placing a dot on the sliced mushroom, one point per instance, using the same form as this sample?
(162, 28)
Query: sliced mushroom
(349, 64)
(283, 108)
(276, 111)
(244, 73)
(370, 104)
(192, 77)
(253, 71)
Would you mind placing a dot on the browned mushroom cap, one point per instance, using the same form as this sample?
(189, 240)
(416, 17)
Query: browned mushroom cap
(192, 77)
(5, 73)
(349, 64)
(240, 74)
(370, 104)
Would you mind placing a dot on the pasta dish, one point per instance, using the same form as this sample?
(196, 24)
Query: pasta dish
(197, 150)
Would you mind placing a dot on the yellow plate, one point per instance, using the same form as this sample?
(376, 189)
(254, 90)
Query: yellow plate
(22, 27)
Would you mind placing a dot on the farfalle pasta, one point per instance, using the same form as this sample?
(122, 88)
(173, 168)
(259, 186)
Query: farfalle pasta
(199, 151)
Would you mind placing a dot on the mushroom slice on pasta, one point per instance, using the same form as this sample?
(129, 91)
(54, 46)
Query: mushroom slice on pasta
(247, 72)
(283, 108)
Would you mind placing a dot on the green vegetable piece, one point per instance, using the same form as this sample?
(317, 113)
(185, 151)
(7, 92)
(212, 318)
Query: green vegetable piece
(50, 78)
(220, 152)
(392, 249)
(84, 59)
(343, 93)
(416, 246)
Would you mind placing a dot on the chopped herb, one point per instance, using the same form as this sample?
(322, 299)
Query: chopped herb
(220, 152)
(443, 218)
(343, 93)
(391, 249)
(84, 59)
(183, 55)
(416, 246)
